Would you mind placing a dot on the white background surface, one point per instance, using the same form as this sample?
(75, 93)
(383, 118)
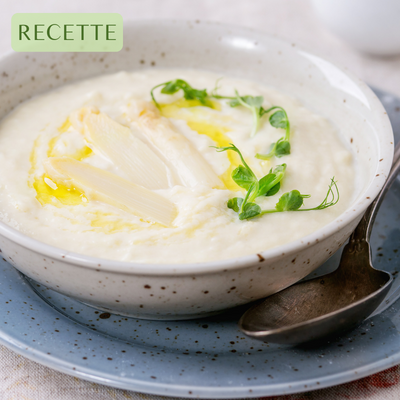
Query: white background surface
(293, 20)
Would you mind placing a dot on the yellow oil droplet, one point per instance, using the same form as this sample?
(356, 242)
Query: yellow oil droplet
(57, 197)
(79, 155)
(82, 153)
(108, 223)
(198, 120)
(62, 195)
(52, 144)
(111, 223)
(65, 126)
(217, 134)
(174, 107)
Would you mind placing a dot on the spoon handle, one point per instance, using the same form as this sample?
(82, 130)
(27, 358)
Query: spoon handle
(364, 228)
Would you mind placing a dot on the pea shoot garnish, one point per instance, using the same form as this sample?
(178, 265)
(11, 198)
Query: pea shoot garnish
(189, 93)
(293, 200)
(246, 178)
(269, 185)
(278, 119)
(253, 103)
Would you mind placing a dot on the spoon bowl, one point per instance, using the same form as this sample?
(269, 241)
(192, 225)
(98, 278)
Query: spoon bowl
(322, 306)
(330, 304)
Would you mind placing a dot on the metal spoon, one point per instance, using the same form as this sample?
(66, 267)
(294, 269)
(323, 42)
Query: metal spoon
(330, 304)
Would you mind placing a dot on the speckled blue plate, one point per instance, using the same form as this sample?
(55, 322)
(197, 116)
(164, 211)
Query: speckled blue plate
(208, 358)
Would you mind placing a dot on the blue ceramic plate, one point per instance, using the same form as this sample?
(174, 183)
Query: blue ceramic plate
(208, 357)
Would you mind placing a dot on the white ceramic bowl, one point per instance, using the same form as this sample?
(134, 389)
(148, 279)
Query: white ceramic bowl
(189, 290)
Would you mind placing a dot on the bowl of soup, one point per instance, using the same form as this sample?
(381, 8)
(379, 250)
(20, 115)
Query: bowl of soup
(200, 168)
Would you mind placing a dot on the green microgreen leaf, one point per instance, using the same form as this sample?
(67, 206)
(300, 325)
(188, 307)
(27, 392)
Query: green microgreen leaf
(290, 201)
(293, 200)
(331, 198)
(234, 103)
(282, 148)
(250, 210)
(278, 149)
(254, 104)
(266, 184)
(274, 190)
(247, 101)
(243, 177)
(279, 119)
(270, 184)
(234, 148)
(189, 93)
(172, 87)
(235, 203)
(214, 92)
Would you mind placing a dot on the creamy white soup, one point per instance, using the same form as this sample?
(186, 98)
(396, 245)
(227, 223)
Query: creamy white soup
(98, 168)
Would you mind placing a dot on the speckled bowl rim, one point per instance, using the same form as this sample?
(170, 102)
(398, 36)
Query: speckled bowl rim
(385, 154)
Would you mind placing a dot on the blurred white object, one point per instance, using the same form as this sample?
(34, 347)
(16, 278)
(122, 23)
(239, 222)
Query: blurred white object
(371, 26)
